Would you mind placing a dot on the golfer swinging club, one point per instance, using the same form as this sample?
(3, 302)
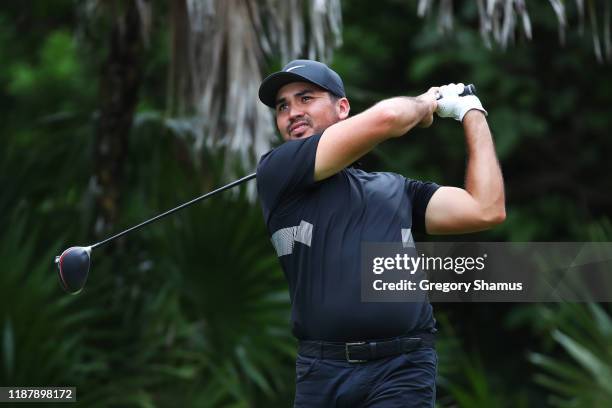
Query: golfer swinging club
(318, 211)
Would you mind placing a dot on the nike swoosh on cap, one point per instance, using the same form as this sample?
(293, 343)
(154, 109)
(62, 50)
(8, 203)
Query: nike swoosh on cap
(292, 68)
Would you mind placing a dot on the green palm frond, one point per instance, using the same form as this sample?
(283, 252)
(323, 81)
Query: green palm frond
(41, 340)
(234, 295)
(585, 378)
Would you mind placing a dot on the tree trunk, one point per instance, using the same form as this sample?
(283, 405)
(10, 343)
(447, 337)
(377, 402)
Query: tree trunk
(119, 84)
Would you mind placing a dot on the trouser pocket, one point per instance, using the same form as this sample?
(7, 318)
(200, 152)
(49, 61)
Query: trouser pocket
(304, 366)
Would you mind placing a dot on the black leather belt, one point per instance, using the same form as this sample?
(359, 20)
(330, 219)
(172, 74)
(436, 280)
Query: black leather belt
(363, 351)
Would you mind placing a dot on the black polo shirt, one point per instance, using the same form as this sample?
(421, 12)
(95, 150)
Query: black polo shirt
(317, 229)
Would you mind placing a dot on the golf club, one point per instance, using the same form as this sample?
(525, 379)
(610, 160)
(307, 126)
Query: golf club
(469, 89)
(73, 264)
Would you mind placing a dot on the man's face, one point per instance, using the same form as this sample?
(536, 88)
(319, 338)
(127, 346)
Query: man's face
(303, 109)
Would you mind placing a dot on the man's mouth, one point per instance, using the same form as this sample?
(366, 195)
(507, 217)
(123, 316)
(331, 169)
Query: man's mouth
(298, 128)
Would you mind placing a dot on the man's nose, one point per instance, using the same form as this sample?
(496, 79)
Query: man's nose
(295, 111)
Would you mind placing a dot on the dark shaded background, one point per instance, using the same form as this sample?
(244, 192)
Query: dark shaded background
(194, 310)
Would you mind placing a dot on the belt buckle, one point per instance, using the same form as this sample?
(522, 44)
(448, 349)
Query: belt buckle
(347, 354)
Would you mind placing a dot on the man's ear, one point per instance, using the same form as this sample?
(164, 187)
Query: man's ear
(343, 108)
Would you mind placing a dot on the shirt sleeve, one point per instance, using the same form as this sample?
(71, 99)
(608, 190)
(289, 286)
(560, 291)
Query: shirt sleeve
(420, 193)
(286, 170)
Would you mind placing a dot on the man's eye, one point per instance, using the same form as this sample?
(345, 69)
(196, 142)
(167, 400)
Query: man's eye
(306, 98)
(282, 107)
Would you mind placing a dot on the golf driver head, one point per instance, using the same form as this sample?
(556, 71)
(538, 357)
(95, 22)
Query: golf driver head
(73, 268)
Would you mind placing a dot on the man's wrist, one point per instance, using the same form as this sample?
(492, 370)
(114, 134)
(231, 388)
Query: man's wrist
(468, 103)
(426, 107)
(473, 115)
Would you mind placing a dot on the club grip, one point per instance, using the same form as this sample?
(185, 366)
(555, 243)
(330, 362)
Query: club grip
(469, 89)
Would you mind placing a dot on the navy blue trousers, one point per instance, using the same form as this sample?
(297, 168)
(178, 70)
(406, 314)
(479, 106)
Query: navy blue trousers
(406, 380)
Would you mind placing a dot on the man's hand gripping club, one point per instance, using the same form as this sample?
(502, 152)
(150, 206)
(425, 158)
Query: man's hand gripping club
(451, 103)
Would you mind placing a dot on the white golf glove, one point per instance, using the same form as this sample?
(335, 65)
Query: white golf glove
(451, 105)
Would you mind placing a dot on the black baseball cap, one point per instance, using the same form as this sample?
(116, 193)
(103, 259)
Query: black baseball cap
(300, 71)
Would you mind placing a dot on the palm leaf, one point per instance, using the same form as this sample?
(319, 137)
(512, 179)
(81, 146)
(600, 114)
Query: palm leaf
(583, 380)
(220, 50)
(500, 20)
(235, 296)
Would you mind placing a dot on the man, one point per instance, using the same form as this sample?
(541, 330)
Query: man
(318, 211)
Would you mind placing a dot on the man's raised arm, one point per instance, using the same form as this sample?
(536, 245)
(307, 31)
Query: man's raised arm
(346, 141)
(481, 205)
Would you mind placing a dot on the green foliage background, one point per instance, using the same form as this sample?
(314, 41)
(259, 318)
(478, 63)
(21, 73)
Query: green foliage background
(194, 311)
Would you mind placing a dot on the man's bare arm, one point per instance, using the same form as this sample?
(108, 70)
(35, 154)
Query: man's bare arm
(481, 205)
(346, 141)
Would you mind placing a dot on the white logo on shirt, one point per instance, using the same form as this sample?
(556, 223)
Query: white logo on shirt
(284, 239)
(407, 240)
